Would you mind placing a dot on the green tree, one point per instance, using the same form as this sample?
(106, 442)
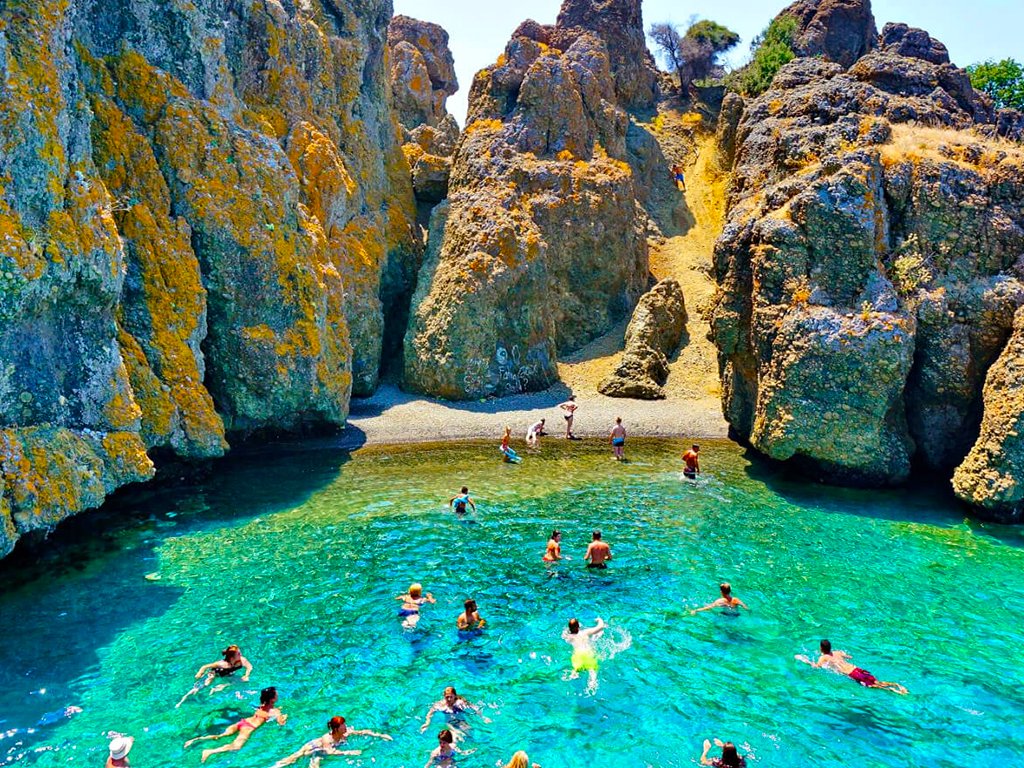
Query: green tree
(693, 56)
(772, 49)
(1002, 80)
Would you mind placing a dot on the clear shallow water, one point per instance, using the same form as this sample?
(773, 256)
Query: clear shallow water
(298, 558)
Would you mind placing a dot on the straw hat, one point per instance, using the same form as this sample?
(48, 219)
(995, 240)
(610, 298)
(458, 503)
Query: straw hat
(120, 747)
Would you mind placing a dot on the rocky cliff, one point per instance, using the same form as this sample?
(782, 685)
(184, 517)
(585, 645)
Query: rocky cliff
(201, 208)
(870, 267)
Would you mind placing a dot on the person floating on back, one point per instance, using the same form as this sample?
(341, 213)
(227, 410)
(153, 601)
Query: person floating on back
(730, 757)
(839, 662)
(692, 460)
(569, 406)
(458, 503)
(730, 604)
(469, 620)
(618, 439)
(598, 552)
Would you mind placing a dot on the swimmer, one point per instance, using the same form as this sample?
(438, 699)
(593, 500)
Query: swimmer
(534, 433)
(730, 757)
(245, 727)
(731, 604)
(839, 662)
(232, 662)
(470, 619)
(454, 707)
(554, 549)
(119, 749)
(692, 460)
(506, 448)
(459, 502)
(598, 552)
(411, 602)
(618, 439)
(583, 654)
(444, 755)
(337, 733)
(520, 760)
(569, 406)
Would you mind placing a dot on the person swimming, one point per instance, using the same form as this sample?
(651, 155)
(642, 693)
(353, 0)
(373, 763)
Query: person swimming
(454, 707)
(444, 755)
(245, 727)
(411, 602)
(506, 448)
(232, 662)
(459, 502)
(553, 552)
(520, 760)
(584, 657)
(730, 758)
(730, 605)
(328, 744)
(840, 663)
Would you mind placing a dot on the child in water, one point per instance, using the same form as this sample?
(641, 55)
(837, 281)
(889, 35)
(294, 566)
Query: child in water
(444, 755)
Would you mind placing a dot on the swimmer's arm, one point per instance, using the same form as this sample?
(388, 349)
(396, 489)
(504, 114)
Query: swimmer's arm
(281, 718)
(707, 607)
(471, 503)
(742, 604)
(477, 710)
(704, 755)
(458, 751)
(589, 550)
(247, 667)
(430, 598)
(206, 668)
(370, 733)
(430, 760)
(596, 629)
(430, 714)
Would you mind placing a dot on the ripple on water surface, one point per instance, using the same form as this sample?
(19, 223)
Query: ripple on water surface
(298, 558)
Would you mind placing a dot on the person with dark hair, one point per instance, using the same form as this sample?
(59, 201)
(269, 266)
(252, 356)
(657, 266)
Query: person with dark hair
(460, 501)
(470, 619)
(232, 662)
(598, 552)
(534, 434)
(840, 663)
(328, 744)
(554, 548)
(692, 460)
(730, 604)
(454, 707)
(730, 757)
(584, 656)
(617, 438)
(569, 407)
(244, 728)
(444, 755)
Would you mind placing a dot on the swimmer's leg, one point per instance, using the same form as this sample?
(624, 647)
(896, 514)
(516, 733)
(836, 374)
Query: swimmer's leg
(231, 730)
(592, 682)
(894, 687)
(200, 684)
(234, 746)
(411, 621)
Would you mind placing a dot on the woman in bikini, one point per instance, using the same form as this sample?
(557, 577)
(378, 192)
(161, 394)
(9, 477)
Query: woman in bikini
(329, 744)
(730, 604)
(454, 707)
(411, 602)
(244, 728)
(232, 662)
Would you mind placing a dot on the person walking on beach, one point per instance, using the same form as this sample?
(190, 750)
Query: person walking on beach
(553, 552)
(469, 620)
(534, 433)
(569, 407)
(459, 502)
(444, 755)
(584, 657)
(730, 757)
(454, 707)
(329, 744)
(244, 728)
(692, 460)
(598, 552)
(232, 662)
(120, 746)
(618, 439)
(840, 663)
(731, 604)
(411, 602)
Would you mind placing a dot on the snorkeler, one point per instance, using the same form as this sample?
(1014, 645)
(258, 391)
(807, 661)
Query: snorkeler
(730, 757)
(459, 502)
(598, 552)
(469, 620)
(554, 548)
(337, 733)
(244, 728)
(583, 654)
(454, 707)
(839, 662)
(232, 662)
(411, 602)
(506, 449)
(731, 604)
(444, 755)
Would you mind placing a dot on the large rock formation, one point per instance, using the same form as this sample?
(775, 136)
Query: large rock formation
(538, 248)
(199, 204)
(870, 266)
(837, 30)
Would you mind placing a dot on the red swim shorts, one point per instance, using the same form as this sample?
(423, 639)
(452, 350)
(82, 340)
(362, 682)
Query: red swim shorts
(863, 677)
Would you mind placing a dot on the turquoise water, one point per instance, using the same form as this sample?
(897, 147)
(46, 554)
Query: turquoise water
(297, 557)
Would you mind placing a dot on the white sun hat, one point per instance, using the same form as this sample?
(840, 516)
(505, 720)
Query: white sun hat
(120, 747)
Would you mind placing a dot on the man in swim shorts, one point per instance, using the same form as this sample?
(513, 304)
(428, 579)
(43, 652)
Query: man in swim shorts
(730, 604)
(533, 434)
(618, 439)
(839, 662)
(459, 502)
(598, 552)
(692, 460)
(569, 407)
(583, 653)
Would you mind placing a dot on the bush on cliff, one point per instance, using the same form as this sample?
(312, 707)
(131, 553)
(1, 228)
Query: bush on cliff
(772, 49)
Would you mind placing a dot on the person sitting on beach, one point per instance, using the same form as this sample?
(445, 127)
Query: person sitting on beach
(569, 406)
(520, 760)
(232, 662)
(454, 707)
(730, 757)
(534, 433)
(692, 460)
(459, 502)
(245, 727)
(731, 604)
(120, 746)
(444, 755)
(584, 657)
(839, 662)
(411, 602)
(598, 552)
(506, 447)
(618, 439)
(329, 743)
(469, 620)
(554, 548)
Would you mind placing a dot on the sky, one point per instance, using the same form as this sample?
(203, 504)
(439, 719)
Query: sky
(973, 30)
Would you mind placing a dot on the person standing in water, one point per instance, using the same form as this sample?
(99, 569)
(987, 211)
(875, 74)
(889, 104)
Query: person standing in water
(554, 548)
(232, 662)
(444, 755)
(459, 502)
(598, 552)
(245, 727)
(731, 604)
(120, 746)
(411, 602)
(506, 447)
(618, 439)
(692, 461)
(569, 407)
(469, 620)
(584, 657)
(840, 663)
(730, 758)
(533, 434)
(454, 707)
